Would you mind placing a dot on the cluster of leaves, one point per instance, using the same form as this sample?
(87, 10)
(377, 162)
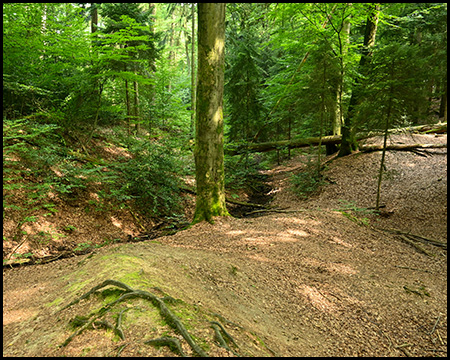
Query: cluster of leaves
(28, 155)
(37, 153)
(240, 170)
(150, 178)
(296, 66)
(308, 180)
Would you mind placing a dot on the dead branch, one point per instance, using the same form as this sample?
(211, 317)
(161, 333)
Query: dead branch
(416, 246)
(418, 238)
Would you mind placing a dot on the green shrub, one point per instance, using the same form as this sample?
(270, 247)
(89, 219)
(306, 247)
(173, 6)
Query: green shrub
(150, 177)
(29, 150)
(239, 171)
(307, 181)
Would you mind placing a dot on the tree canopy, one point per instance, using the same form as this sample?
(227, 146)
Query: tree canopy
(292, 71)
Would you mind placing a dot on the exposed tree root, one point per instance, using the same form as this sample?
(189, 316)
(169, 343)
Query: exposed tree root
(416, 246)
(172, 343)
(166, 313)
(221, 318)
(217, 327)
(118, 329)
(93, 322)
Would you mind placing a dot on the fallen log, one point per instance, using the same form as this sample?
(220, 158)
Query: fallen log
(401, 147)
(274, 145)
(439, 128)
(326, 140)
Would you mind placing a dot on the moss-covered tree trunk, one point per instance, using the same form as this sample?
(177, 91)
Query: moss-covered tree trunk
(193, 77)
(209, 157)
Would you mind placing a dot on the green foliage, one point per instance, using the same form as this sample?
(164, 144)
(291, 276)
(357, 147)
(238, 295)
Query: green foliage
(149, 178)
(307, 181)
(244, 83)
(389, 84)
(239, 170)
(43, 45)
(26, 155)
(171, 96)
(35, 152)
(361, 222)
(60, 83)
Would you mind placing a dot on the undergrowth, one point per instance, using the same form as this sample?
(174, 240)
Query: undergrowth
(308, 180)
(39, 167)
(241, 170)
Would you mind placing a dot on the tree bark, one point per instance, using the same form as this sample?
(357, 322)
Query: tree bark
(348, 141)
(193, 77)
(94, 18)
(328, 140)
(209, 155)
(152, 9)
(136, 106)
(127, 99)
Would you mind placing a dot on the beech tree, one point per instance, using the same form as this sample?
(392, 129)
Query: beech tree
(209, 138)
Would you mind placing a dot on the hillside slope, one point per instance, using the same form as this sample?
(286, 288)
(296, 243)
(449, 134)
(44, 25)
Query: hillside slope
(306, 281)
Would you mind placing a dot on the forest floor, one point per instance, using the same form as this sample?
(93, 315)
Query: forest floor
(315, 277)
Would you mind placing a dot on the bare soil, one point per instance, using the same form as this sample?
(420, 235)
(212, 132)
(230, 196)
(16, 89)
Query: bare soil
(320, 277)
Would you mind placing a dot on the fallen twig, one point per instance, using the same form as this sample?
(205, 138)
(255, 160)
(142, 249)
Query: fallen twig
(416, 246)
(435, 324)
(418, 238)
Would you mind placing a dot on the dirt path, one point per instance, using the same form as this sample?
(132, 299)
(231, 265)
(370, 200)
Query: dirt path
(306, 283)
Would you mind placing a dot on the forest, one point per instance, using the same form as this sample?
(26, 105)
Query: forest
(231, 159)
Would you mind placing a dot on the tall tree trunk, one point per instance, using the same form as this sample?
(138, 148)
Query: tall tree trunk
(209, 157)
(443, 105)
(348, 141)
(127, 99)
(136, 105)
(344, 42)
(172, 53)
(94, 18)
(386, 130)
(322, 116)
(152, 8)
(193, 77)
